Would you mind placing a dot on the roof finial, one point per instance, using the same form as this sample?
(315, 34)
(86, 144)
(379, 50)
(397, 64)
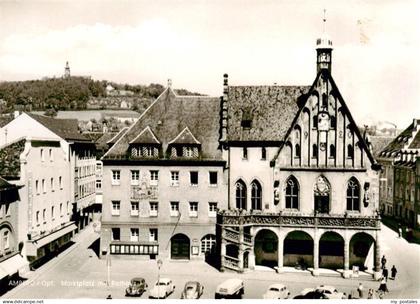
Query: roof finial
(169, 83)
(325, 21)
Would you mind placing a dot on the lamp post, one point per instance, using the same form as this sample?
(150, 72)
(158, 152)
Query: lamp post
(159, 264)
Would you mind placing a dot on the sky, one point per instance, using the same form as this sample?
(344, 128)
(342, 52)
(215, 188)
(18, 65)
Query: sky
(193, 43)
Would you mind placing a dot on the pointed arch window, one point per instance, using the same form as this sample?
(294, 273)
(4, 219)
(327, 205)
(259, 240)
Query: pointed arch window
(292, 193)
(315, 122)
(350, 151)
(314, 150)
(297, 150)
(256, 195)
(332, 151)
(353, 195)
(240, 194)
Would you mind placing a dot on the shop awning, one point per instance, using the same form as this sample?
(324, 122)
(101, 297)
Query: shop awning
(35, 244)
(12, 265)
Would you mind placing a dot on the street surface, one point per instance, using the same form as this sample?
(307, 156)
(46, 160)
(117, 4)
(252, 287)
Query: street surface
(78, 273)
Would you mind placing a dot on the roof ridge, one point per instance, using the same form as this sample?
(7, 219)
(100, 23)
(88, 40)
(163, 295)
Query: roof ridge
(116, 135)
(138, 119)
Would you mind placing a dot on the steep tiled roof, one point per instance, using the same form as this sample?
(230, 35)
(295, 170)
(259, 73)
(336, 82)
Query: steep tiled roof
(399, 142)
(271, 110)
(168, 115)
(379, 143)
(145, 137)
(185, 137)
(93, 136)
(114, 139)
(10, 159)
(65, 128)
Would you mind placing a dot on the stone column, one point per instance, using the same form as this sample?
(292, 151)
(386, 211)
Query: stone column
(347, 271)
(222, 254)
(315, 271)
(280, 254)
(377, 267)
(241, 249)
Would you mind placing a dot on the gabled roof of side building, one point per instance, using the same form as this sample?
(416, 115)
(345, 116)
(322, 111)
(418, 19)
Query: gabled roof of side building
(65, 128)
(401, 140)
(168, 116)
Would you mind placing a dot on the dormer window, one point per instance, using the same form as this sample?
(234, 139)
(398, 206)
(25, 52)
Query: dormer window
(145, 145)
(184, 145)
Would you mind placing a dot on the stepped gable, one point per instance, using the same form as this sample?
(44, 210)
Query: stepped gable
(169, 115)
(145, 137)
(271, 110)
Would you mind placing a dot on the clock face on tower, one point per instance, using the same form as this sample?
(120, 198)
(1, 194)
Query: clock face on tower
(323, 121)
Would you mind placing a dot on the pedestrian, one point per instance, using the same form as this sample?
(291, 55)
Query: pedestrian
(371, 294)
(383, 261)
(385, 273)
(382, 286)
(360, 290)
(399, 231)
(393, 272)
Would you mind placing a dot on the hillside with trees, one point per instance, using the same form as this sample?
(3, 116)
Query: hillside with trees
(72, 93)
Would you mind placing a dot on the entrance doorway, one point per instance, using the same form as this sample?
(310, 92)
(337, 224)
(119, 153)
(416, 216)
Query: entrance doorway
(180, 247)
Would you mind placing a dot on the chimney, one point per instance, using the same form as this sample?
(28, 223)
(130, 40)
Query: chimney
(415, 124)
(16, 114)
(224, 121)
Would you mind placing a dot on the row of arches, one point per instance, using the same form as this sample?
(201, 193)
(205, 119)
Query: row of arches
(298, 249)
(296, 150)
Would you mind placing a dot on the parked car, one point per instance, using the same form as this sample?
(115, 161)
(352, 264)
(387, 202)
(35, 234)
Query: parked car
(330, 292)
(192, 290)
(136, 288)
(162, 288)
(310, 293)
(276, 291)
(232, 288)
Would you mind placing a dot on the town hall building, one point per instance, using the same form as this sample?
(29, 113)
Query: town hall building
(302, 185)
(275, 176)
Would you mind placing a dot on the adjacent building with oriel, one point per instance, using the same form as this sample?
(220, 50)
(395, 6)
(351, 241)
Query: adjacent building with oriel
(302, 183)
